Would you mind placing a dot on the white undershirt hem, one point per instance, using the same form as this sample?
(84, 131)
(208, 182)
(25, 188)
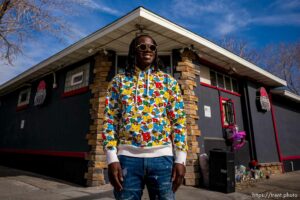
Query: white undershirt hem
(145, 152)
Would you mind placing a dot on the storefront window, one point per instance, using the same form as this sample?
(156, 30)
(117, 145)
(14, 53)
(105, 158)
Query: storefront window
(222, 81)
(213, 79)
(235, 87)
(24, 97)
(228, 83)
(165, 64)
(77, 78)
(121, 64)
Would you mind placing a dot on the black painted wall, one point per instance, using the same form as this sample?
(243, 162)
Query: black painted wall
(264, 136)
(211, 128)
(287, 115)
(291, 165)
(59, 125)
(65, 168)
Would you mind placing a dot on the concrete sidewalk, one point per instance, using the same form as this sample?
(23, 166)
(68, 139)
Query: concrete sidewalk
(21, 185)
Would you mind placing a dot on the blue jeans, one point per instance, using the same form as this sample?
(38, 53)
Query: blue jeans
(155, 173)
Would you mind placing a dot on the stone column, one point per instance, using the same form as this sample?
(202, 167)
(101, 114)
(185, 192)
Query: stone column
(96, 156)
(187, 81)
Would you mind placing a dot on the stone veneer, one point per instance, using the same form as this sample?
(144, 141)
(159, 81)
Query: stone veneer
(187, 81)
(96, 156)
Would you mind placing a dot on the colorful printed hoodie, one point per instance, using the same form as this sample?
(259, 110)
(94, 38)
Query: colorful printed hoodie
(144, 116)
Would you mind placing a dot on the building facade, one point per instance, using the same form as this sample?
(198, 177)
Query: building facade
(51, 115)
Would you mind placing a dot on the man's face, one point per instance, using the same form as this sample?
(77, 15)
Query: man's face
(144, 56)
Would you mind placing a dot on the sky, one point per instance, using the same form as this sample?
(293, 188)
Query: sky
(257, 22)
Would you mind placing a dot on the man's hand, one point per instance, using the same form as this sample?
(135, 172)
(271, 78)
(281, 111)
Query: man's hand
(115, 175)
(177, 175)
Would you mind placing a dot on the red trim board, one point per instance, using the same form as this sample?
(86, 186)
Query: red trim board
(45, 152)
(291, 158)
(221, 89)
(23, 107)
(75, 92)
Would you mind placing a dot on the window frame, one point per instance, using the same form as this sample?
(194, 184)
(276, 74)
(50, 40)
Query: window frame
(22, 104)
(224, 82)
(81, 73)
(72, 88)
(223, 119)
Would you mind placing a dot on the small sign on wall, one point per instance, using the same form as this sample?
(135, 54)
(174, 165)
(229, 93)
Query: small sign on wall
(40, 95)
(263, 101)
(207, 111)
(22, 124)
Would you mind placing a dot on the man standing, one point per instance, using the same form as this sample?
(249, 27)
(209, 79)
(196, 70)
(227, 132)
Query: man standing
(144, 127)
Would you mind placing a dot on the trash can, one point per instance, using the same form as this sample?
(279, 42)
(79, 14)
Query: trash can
(221, 171)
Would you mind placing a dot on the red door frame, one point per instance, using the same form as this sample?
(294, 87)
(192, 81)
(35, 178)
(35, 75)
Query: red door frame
(222, 111)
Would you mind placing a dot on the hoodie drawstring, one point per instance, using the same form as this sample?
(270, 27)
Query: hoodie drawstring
(137, 83)
(136, 88)
(148, 82)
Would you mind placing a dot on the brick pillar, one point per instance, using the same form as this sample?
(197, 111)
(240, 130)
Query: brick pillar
(96, 156)
(187, 81)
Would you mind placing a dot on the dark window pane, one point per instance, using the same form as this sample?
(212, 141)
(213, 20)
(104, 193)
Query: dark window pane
(227, 83)
(24, 97)
(228, 112)
(220, 80)
(165, 63)
(225, 114)
(235, 85)
(213, 80)
(121, 62)
(78, 79)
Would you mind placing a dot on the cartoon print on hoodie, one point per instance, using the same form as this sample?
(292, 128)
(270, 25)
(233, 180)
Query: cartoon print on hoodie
(144, 110)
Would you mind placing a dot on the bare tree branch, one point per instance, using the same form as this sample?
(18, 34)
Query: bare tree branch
(11, 49)
(3, 8)
(283, 59)
(19, 19)
(240, 48)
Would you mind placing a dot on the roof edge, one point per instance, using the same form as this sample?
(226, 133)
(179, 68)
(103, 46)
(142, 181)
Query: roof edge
(286, 94)
(183, 31)
(140, 12)
(73, 47)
